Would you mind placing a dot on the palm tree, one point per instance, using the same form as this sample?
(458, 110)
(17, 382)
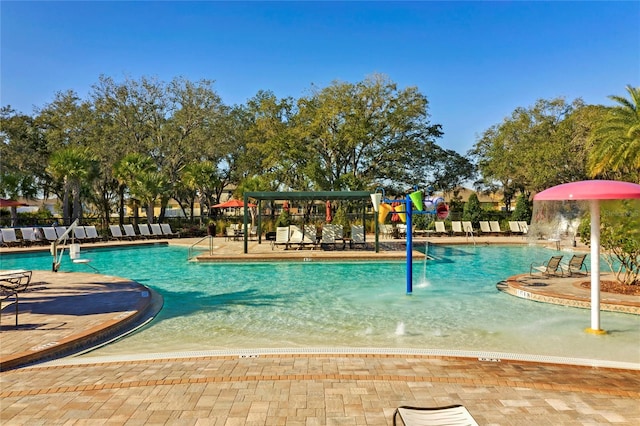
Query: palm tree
(72, 166)
(127, 171)
(616, 142)
(202, 178)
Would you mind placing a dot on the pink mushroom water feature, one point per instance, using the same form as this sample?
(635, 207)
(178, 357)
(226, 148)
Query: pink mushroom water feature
(592, 191)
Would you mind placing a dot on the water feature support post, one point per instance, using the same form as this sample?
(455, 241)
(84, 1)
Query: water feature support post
(409, 245)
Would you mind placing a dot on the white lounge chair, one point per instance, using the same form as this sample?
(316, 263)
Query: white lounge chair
(92, 233)
(450, 415)
(440, 228)
(456, 227)
(523, 226)
(328, 235)
(49, 233)
(484, 227)
(514, 227)
(295, 237)
(282, 237)
(386, 230)
(167, 231)
(9, 237)
(494, 226)
(144, 230)
(116, 232)
(156, 230)
(79, 234)
(30, 236)
(310, 238)
(467, 226)
(357, 236)
(60, 230)
(130, 232)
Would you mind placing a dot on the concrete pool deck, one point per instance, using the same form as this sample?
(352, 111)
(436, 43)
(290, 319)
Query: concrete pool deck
(274, 388)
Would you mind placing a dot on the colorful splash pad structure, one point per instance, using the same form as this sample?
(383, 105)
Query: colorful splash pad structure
(404, 209)
(592, 191)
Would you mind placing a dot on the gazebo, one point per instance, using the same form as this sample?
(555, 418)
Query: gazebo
(258, 197)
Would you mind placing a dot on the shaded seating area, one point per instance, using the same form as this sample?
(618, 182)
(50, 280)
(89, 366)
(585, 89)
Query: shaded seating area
(422, 416)
(546, 269)
(12, 283)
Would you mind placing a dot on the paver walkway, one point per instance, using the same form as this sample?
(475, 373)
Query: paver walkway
(281, 389)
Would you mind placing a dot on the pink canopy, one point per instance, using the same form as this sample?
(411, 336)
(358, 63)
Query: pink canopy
(590, 190)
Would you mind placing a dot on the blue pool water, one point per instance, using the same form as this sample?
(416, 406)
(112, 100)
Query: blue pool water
(454, 305)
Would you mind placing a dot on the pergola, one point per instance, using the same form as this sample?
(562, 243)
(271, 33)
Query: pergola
(258, 197)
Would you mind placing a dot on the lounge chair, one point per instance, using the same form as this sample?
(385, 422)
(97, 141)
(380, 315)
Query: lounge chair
(30, 236)
(514, 227)
(282, 237)
(467, 226)
(484, 227)
(386, 230)
(575, 266)
(60, 230)
(144, 230)
(79, 234)
(402, 230)
(230, 233)
(328, 236)
(253, 232)
(357, 236)
(12, 283)
(440, 228)
(494, 226)
(421, 416)
(156, 230)
(167, 231)
(310, 238)
(295, 237)
(9, 237)
(92, 233)
(130, 232)
(523, 226)
(116, 233)
(49, 233)
(456, 227)
(548, 268)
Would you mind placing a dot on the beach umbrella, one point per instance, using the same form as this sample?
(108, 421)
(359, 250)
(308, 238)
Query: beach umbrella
(233, 203)
(592, 191)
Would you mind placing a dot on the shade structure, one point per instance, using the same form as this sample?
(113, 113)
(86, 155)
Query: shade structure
(592, 191)
(11, 203)
(232, 204)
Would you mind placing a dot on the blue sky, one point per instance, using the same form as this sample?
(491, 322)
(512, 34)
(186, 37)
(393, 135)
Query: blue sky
(475, 61)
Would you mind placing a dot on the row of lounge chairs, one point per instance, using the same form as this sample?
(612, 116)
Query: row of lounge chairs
(331, 236)
(26, 236)
(486, 227)
(146, 231)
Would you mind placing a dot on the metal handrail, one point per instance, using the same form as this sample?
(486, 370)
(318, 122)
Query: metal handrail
(192, 248)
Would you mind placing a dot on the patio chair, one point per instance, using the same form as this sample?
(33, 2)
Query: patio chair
(357, 236)
(253, 232)
(386, 230)
(575, 266)
(144, 230)
(514, 227)
(92, 233)
(60, 230)
(484, 227)
(295, 237)
(116, 233)
(467, 226)
(523, 226)
(31, 236)
(548, 268)
(79, 234)
(456, 227)
(230, 233)
(328, 236)
(494, 226)
(440, 228)
(422, 416)
(130, 232)
(9, 237)
(167, 231)
(12, 283)
(49, 233)
(282, 237)
(156, 230)
(310, 238)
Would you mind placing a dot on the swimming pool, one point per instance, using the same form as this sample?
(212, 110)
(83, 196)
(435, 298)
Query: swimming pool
(454, 305)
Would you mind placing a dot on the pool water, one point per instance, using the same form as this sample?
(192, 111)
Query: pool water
(454, 305)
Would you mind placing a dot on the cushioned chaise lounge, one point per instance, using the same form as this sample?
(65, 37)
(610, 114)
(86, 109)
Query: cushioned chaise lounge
(422, 416)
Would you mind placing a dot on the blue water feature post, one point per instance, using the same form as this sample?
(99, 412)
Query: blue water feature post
(408, 209)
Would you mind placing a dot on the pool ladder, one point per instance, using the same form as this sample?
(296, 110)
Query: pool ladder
(195, 249)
